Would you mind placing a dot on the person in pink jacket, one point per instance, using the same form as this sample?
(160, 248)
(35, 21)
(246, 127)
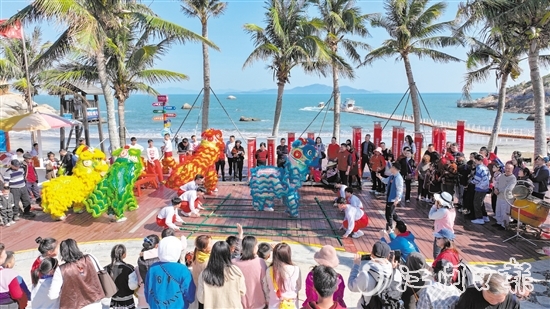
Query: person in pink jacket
(326, 257)
(443, 213)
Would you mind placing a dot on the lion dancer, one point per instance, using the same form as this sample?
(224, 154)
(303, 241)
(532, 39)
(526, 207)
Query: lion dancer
(190, 202)
(192, 185)
(153, 161)
(168, 162)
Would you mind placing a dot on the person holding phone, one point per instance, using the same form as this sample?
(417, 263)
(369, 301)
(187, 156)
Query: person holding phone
(238, 160)
(401, 240)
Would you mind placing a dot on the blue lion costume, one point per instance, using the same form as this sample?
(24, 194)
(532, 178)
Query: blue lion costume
(270, 182)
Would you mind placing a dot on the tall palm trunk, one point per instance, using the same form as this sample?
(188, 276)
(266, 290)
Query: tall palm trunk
(538, 96)
(337, 102)
(414, 94)
(500, 110)
(109, 100)
(278, 108)
(122, 121)
(206, 78)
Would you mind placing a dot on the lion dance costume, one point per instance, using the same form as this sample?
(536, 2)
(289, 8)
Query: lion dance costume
(64, 192)
(115, 192)
(270, 182)
(201, 162)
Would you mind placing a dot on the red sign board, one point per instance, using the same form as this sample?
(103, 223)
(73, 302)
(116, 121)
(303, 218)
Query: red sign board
(460, 128)
(251, 151)
(418, 140)
(356, 142)
(290, 139)
(443, 140)
(162, 98)
(377, 133)
(158, 104)
(271, 151)
(170, 115)
(435, 138)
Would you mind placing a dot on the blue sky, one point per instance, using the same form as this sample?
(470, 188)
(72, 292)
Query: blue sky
(226, 65)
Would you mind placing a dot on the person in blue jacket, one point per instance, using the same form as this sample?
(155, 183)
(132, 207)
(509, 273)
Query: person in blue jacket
(401, 240)
(169, 284)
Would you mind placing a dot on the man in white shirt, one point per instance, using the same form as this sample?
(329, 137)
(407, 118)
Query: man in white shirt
(352, 199)
(228, 148)
(153, 164)
(190, 203)
(167, 148)
(355, 219)
(168, 215)
(192, 185)
(194, 144)
(135, 145)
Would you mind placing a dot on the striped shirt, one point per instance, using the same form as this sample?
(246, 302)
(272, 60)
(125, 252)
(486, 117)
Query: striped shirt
(16, 178)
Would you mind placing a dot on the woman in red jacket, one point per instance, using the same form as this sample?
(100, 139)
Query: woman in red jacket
(445, 240)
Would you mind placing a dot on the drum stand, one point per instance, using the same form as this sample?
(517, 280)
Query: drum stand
(518, 235)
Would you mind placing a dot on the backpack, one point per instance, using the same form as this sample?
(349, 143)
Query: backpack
(465, 276)
(389, 297)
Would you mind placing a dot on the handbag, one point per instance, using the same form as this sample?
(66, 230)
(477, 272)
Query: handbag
(106, 280)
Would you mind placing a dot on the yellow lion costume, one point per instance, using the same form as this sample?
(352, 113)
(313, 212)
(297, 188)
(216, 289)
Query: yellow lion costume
(64, 192)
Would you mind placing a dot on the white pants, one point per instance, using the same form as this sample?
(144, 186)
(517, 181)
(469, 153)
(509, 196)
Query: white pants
(502, 212)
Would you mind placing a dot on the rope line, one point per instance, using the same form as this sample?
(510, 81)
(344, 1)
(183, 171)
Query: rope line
(314, 118)
(216, 96)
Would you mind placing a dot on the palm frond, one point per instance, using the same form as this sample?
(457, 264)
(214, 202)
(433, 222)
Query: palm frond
(156, 76)
(433, 54)
(476, 76)
(379, 53)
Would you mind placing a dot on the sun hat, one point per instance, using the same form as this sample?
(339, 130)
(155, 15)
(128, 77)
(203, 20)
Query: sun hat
(445, 199)
(445, 233)
(381, 249)
(378, 149)
(27, 156)
(327, 256)
(331, 164)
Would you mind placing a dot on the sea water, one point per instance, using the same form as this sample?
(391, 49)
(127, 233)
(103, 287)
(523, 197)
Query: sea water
(299, 111)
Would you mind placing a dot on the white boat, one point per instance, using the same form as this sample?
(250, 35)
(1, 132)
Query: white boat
(231, 97)
(321, 105)
(348, 105)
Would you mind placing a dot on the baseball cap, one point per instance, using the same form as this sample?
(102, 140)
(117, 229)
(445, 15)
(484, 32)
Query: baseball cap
(27, 156)
(15, 163)
(381, 249)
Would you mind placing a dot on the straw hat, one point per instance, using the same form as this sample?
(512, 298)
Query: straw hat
(445, 199)
(327, 257)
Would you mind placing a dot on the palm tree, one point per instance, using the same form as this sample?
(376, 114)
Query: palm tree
(342, 18)
(529, 22)
(288, 41)
(12, 64)
(413, 31)
(203, 10)
(129, 67)
(499, 54)
(87, 23)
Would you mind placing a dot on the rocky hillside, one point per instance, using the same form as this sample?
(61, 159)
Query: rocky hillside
(519, 98)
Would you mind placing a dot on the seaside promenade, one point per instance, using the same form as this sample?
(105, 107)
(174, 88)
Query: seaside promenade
(318, 225)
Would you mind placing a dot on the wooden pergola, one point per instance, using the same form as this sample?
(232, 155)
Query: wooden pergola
(78, 106)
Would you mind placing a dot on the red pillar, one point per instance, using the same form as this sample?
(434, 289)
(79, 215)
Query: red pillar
(443, 140)
(377, 138)
(290, 139)
(398, 136)
(356, 142)
(418, 140)
(311, 135)
(271, 151)
(435, 138)
(251, 150)
(460, 132)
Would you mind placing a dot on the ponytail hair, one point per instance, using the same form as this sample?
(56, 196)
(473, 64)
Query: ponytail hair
(46, 267)
(45, 245)
(150, 242)
(117, 254)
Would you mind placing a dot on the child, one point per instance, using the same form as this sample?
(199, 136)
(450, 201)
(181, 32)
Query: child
(190, 204)
(355, 219)
(352, 199)
(52, 164)
(41, 282)
(153, 163)
(192, 185)
(168, 215)
(264, 251)
(235, 242)
(326, 257)
(9, 263)
(7, 206)
(47, 248)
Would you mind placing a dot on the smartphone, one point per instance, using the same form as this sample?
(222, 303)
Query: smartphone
(365, 257)
(397, 255)
(392, 255)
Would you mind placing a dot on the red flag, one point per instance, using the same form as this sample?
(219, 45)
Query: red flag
(13, 32)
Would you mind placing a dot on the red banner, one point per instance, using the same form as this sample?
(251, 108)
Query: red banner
(251, 151)
(443, 140)
(13, 32)
(356, 142)
(311, 135)
(400, 138)
(271, 151)
(435, 138)
(418, 140)
(290, 139)
(394, 143)
(460, 132)
(377, 133)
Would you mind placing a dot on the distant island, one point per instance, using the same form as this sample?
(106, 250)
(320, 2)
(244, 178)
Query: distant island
(519, 99)
(310, 89)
